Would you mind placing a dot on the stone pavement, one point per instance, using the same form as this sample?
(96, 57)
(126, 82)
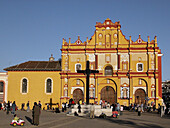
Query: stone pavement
(53, 120)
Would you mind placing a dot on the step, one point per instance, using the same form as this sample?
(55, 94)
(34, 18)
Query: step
(85, 109)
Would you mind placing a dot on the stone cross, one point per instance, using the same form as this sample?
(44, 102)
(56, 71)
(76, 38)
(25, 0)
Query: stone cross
(51, 103)
(87, 72)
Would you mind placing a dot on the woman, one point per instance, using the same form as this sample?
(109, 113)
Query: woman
(13, 107)
(36, 114)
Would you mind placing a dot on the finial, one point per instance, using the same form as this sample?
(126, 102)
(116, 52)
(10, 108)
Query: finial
(87, 40)
(78, 37)
(148, 39)
(130, 39)
(69, 41)
(155, 39)
(139, 36)
(63, 41)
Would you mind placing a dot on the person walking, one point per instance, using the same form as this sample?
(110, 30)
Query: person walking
(92, 109)
(8, 107)
(28, 106)
(13, 107)
(79, 108)
(36, 114)
(39, 104)
(63, 107)
(139, 111)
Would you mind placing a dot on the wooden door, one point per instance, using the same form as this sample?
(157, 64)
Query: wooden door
(108, 94)
(77, 95)
(140, 96)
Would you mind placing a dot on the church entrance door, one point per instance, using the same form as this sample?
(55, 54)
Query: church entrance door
(77, 95)
(108, 94)
(140, 96)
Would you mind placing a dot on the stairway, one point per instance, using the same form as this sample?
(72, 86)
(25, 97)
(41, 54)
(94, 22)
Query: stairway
(85, 110)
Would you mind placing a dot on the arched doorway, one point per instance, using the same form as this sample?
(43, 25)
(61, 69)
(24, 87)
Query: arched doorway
(77, 95)
(140, 96)
(108, 94)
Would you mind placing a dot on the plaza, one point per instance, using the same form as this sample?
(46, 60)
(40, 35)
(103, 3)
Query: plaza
(53, 120)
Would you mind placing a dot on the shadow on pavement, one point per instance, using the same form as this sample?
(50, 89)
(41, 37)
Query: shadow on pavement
(28, 119)
(130, 123)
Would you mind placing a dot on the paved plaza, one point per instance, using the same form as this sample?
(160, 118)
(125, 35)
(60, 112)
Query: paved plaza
(61, 120)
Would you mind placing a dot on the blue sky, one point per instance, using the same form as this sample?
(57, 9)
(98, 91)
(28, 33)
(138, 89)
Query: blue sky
(33, 29)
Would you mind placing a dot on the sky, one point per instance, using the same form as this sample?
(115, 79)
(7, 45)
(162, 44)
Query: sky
(32, 30)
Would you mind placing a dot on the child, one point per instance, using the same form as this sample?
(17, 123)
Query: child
(15, 117)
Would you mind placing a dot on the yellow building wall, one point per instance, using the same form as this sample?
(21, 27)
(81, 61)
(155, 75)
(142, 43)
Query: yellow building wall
(36, 87)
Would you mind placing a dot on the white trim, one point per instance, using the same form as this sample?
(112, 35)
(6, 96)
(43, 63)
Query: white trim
(27, 85)
(46, 86)
(73, 88)
(135, 88)
(137, 67)
(160, 54)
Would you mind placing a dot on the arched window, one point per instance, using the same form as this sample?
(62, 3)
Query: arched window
(48, 86)
(78, 67)
(139, 67)
(108, 70)
(1, 87)
(24, 85)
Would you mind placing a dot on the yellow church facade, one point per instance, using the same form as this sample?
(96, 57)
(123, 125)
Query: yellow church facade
(129, 71)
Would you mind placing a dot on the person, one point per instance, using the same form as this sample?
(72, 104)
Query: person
(70, 102)
(79, 108)
(8, 107)
(57, 108)
(101, 103)
(15, 117)
(39, 104)
(28, 106)
(108, 105)
(4, 106)
(92, 109)
(118, 107)
(0, 106)
(163, 107)
(121, 110)
(22, 106)
(139, 111)
(36, 114)
(63, 107)
(13, 107)
(48, 107)
(141, 107)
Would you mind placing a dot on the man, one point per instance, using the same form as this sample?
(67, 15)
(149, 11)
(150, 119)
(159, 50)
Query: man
(28, 106)
(39, 104)
(36, 114)
(92, 109)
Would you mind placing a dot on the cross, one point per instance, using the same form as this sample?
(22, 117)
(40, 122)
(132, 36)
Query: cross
(87, 72)
(51, 104)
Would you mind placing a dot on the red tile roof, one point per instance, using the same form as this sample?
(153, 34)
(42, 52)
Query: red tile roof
(36, 66)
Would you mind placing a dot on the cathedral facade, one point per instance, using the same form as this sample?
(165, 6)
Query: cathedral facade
(129, 71)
